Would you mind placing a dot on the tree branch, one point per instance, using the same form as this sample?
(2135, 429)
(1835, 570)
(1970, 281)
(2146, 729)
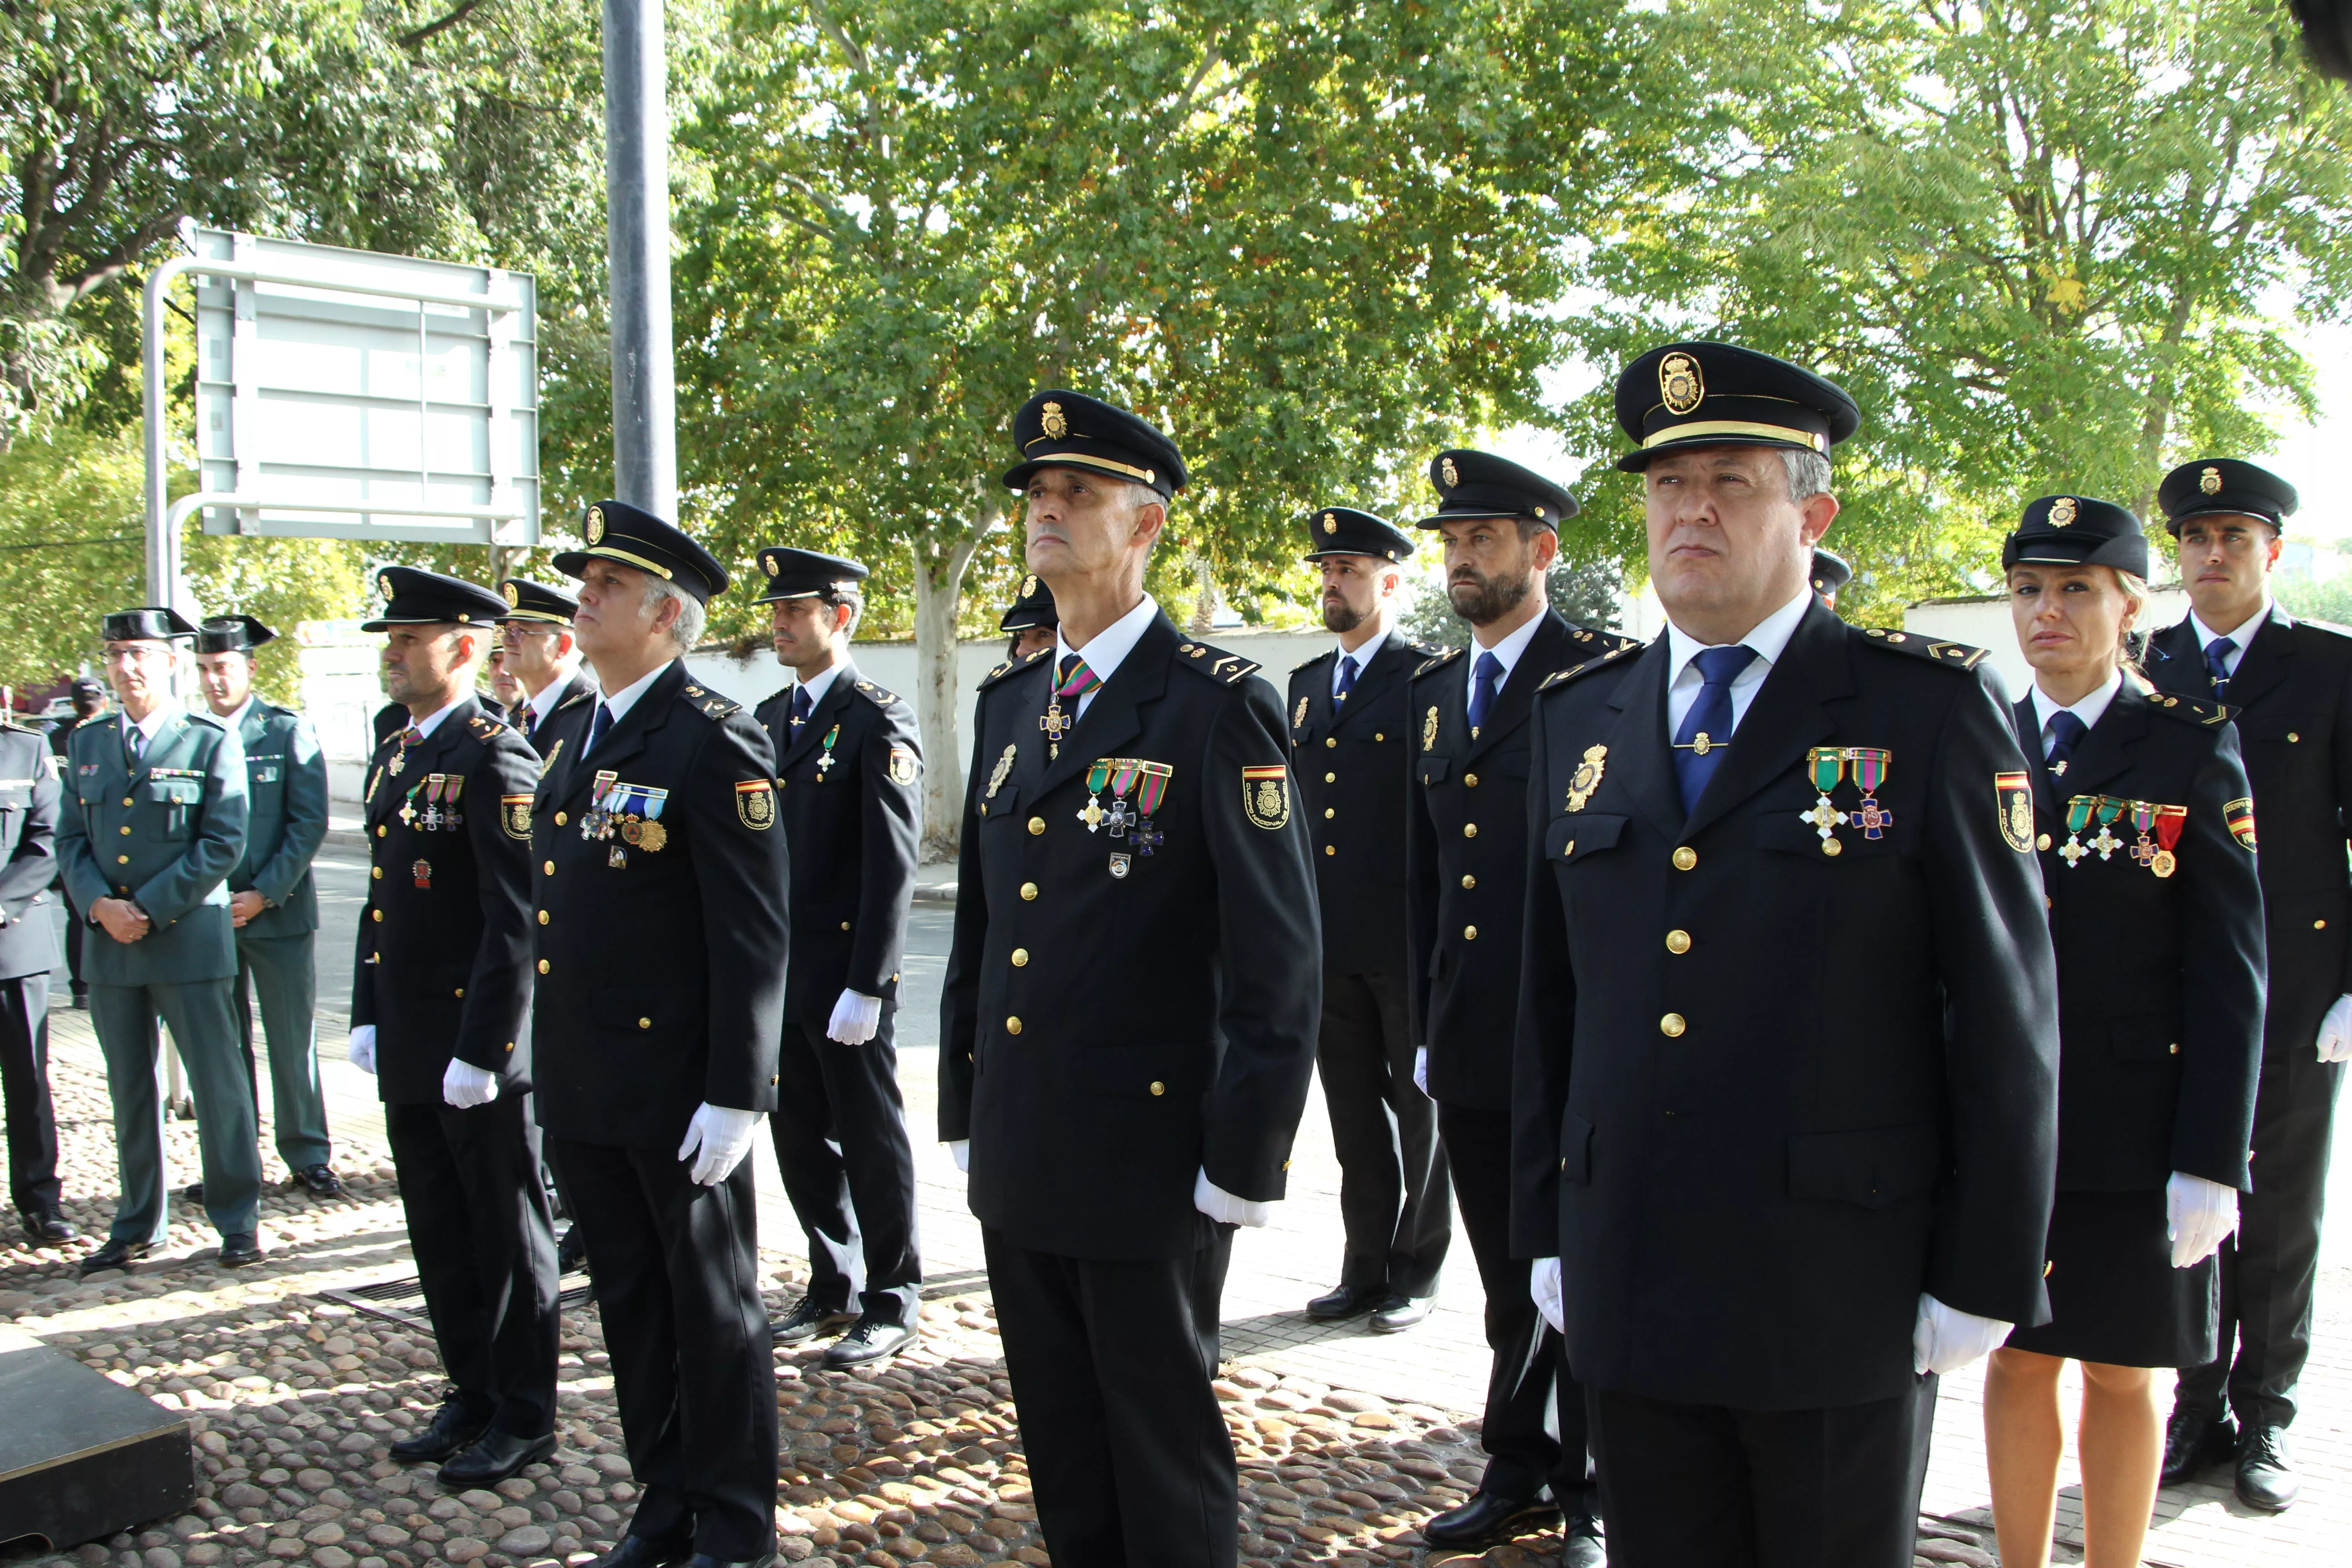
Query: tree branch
(411, 40)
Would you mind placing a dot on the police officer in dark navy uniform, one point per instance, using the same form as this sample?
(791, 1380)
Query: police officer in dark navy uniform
(1030, 619)
(2288, 683)
(440, 984)
(1830, 574)
(543, 655)
(1348, 733)
(661, 887)
(28, 950)
(1785, 1092)
(1126, 1028)
(848, 772)
(1467, 872)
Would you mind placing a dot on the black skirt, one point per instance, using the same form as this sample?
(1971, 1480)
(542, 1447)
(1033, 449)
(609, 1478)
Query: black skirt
(2115, 1297)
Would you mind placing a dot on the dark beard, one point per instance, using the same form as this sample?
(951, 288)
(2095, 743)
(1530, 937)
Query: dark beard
(1338, 618)
(1485, 600)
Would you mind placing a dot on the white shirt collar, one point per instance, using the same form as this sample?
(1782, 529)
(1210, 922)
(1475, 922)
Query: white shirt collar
(544, 702)
(2243, 635)
(819, 684)
(1110, 645)
(432, 722)
(621, 701)
(1768, 638)
(1365, 655)
(157, 717)
(236, 720)
(1506, 652)
(2089, 709)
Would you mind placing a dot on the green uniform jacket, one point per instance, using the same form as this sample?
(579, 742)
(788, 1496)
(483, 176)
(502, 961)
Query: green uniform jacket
(163, 832)
(286, 784)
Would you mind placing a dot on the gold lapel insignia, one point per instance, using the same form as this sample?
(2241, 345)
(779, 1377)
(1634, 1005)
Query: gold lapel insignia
(1587, 777)
(1299, 717)
(1429, 730)
(514, 815)
(550, 756)
(755, 804)
(1003, 771)
(1681, 387)
(1266, 797)
(2209, 482)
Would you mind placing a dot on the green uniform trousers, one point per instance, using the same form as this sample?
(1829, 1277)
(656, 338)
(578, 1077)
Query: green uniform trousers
(204, 1027)
(276, 971)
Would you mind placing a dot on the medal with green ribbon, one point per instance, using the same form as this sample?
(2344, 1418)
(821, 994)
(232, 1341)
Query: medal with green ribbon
(1121, 776)
(1827, 765)
(825, 760)
(1870, 765)
(2078, 817)
(2106, 842)
(1092, 814)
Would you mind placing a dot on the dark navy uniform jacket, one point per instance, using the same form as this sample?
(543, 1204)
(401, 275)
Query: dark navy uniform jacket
(1771, 1086)
(1349, 760)
(29, 795)
(565, 729)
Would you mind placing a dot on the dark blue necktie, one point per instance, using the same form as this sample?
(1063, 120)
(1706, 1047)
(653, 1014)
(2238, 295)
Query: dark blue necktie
(2066, 732)
(802, 706)
(2217, 655)
(1706, 728)
(602, 727)
(1489, 675)
(1347, 677)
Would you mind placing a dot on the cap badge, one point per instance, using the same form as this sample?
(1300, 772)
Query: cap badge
(1330, 523)
(770, 563)
(1448, 472)
(2062, 511)
(596, 524)
(1680, 384)
(2209, 482)
(1028, 584)
(384, 585)
(513, 598)
(1052, 422)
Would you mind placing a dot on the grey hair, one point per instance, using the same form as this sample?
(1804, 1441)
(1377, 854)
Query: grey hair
(1809, 472)
(687, 630)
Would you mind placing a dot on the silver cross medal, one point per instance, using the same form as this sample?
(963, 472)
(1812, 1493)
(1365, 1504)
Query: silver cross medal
(1823, 816)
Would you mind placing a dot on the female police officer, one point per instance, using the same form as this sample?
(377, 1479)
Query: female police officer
(2146, 835)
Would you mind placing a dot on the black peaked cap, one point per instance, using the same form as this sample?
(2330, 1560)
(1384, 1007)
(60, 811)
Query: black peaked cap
(1344, 530)
(414, 597)
(529, 601)
(1480, 484)
(1686, 396)
(2213, 485)
(1034, 608)
(803, 573)
(2076, 530)
(231, 634)
(1069, 429)
(148, 623)
(615, 530)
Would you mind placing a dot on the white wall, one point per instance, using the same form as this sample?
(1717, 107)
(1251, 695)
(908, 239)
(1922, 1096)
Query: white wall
(1984, 622)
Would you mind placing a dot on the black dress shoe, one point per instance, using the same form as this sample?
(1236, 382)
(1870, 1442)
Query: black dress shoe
(453, 1428)
(704, 1560)
(48, 1228)
(1399, 1313)
(1486, 1520)
(194, 1192)
(2191, 1442)
(870, 1340)
(806, 1321)
(240, 1249)
(643, 1551)
(1345, 1301)
(571, 1252)
(320, 1181)
(114, 1255)
(494, 1457)
(1581, 1547)
(82, 998)
(2266, 1476)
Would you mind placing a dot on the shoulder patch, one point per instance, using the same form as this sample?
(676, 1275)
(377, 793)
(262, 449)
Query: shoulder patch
(1605, 657)
(1956, 655)
(876, 694)
(1219, 665)
(1436, 661)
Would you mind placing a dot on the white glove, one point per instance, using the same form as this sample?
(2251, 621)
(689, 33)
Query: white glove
(723, 1136)
(1543, 1284)
(2336, 1032)
(855, 1017)
(361, 1054)
(464, 1085)
(1946, 1338)
(1421, 1068)
(961, 1149)
(1224, 1208)
(2198, 1215)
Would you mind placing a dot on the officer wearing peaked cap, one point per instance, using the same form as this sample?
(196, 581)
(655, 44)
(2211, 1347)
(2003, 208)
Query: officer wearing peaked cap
(1348, 734)
(441, 982)
(1830, 574)
(848, 779)
(1784, 1189)
(1130, 852)
(543, 653)
(1464, 873)
(2289, 684)
(1030, 618)
(661, 886)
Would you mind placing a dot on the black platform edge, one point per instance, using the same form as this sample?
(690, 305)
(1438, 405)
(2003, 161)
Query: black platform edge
(81, 1457)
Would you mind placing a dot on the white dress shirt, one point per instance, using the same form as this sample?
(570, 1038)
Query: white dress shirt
(432, 722)
(542, 702)
(1109, 647)
(621, 701)
(236, 720)
(1768, 640)
(1507, 652)
(1362, 655)
(2089, 709)
(2243, 636)
(817, 685)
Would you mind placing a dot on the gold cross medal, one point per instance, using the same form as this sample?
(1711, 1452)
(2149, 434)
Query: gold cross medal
(2106, 842)
(1056, 726)
(1827, 765)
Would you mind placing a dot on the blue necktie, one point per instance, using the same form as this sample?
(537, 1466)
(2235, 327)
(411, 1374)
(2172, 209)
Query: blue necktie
(1706, 728)
(602, 727)
(1347, 678)
(2065, 734)
(1489, 672)
(2217, 655)
(802, 706)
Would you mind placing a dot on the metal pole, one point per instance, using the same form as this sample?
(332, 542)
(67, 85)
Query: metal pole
(636, 197)
(162, 542)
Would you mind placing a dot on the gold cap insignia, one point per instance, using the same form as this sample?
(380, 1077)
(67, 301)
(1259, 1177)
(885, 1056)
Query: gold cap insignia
(1330, 523)
(1448, 472)
(2062, 511)
(1028, 584)
(595, 523)
(1052, 422)
(1680, 385)
(770, 563)
(513, 598)
(384, 585)
(2209, 482)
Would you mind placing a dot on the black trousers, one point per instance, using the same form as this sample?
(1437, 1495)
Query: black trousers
(25, 1080)
(1395, 1200)
(477, 1223)
(841, 1142)
(1110, 1362)
(692, 1372)
(2269, 1266)
(1705, 1486)
(73, 939)
(1535, 1428)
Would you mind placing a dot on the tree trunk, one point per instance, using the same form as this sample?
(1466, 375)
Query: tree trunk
(939, 594)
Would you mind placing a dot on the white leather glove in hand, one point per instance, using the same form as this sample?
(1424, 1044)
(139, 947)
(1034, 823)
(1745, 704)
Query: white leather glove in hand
(855, 1019)
(1421, 1068)
(1946, 1338)
(362, 1052)
(1543, 1284)
(717, 1140)
(2336, 1032)
(464, 1085)
(1224, 1208)
(961, 1149)
(2198, 1215)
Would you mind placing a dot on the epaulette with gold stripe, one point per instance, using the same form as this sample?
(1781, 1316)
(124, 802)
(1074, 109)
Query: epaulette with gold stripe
(1607, 656)
(1955, 655)
(709, 703)
(2190, 709)
(1608, 641)
(1011, 667)
(877, 695)
(1435, 661)
(1213, 662)
(1310, 663)
(485, 726)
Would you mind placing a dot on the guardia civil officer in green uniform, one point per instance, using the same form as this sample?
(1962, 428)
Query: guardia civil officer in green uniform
(2157, 920)
(28, 950)
(1466, 858)
(440, 984)
(1785, 1096)
(154, 826)
(2288, 683)
(88, 698)
(848, 776)
(271, 901)
(662, 881)
(1030, 619)
(1349, 727)
(1129, 1019)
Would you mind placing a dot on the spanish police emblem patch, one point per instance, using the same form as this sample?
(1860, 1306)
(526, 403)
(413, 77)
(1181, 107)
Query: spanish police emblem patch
(2015, 794)
(1266, 797)
(1681, 387)
(902, 765)
(1053, 422)
(2209, 482)
(755, 804)
(2240, 814)
(514, 814)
